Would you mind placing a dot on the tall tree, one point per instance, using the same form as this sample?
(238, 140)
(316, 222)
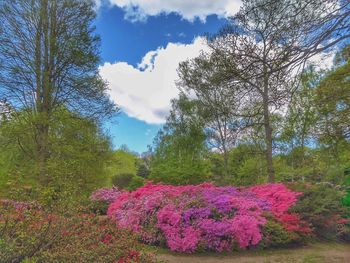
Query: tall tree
(49, 59)
(268, 43)
(218, 98)
(333, 104)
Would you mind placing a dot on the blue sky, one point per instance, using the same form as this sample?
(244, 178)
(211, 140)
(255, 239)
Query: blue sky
(141, 47)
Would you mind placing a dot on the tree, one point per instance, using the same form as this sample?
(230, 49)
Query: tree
(124, 162)
(49, 60)
(333, 105)
(217, 97)
(180, 152)
(79, 153)
(247, 164)
(143, 163)
(142, 169)
(301, 116)
(266, 46)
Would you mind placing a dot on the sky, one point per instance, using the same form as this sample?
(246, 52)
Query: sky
(142, 43)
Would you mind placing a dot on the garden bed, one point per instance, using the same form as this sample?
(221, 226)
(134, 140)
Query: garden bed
(197, 218)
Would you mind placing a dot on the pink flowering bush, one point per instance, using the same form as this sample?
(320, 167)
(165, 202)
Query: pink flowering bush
(281, 200)
(107, 195)
(205, 217)
(101, 199)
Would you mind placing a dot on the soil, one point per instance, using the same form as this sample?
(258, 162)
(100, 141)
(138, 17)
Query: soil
(315, 253)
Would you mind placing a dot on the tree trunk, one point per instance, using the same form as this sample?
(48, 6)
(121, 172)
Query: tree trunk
(268, 141)
(43, 106)
(226, 170)
(43, 143)
(268, 128)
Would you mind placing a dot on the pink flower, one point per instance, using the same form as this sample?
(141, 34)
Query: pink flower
(204, 216)
(107, 195)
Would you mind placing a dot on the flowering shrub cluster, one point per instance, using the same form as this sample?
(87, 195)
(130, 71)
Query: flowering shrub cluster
(205, 217)
(101, 199)
(36, 235)
(107, 195)
(281, 200)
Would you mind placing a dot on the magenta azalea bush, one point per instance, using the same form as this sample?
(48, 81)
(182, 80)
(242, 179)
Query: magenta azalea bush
(107, 195)
(205, 217)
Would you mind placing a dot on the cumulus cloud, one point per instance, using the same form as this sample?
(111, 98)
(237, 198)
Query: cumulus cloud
(139, 10)
(144, 92)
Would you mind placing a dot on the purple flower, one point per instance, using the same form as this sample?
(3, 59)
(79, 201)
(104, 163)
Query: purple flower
(199, 216)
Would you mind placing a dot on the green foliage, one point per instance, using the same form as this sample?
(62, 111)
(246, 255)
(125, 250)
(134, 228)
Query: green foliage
(275, 235)
(122, 180)
(247, 166)
(142, 170)
(321, 206)
(333, 104)
(312, 165)
(252, 171)
(302, 114)
(57, 105)
(176, 173)
(217, 165)
(85, 150)
(122, 167)
(181, 155)
(78, 154)
(127, 181)
(346, 199)
(136, 182)
(96, 207)
(123, 162)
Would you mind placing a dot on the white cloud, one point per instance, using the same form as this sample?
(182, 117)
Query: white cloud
(323, 61)
(145, 91)
(139, 10)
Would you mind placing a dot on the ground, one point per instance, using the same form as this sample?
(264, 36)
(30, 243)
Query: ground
(314, 253)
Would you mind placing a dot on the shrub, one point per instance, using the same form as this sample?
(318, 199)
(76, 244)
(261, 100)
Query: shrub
(107, 195)
(275, 235)
(127, 181)
(96, 207)
(101, 199)
(122, 181)
(37, 235)
(281, 200)
(346, 199)
(321, 206)
(170, 172)
(135, 183)
(343, 231)
(191, 218)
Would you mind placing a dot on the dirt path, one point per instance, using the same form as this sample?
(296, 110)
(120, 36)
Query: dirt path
(317, 253)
